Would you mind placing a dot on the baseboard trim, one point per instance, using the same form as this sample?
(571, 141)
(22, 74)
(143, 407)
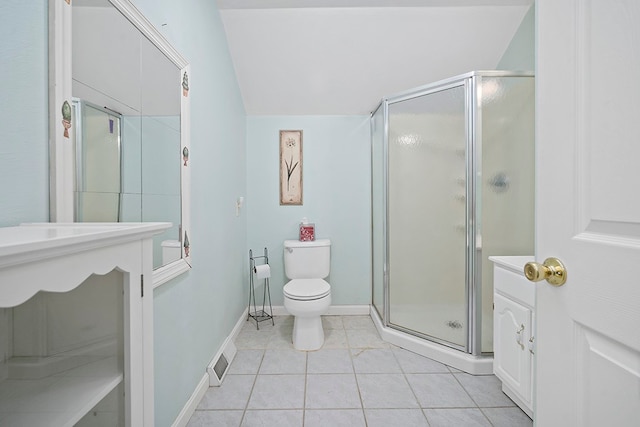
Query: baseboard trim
(348, 310)
(279, 310)
(334, 310)
(228, 349)
(238, 327)
(190, 407)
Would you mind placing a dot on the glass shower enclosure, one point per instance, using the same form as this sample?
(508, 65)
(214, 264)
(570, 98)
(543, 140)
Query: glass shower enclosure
(452, 184)
(98, 149)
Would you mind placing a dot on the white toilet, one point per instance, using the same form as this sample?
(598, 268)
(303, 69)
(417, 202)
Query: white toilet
(307, 296)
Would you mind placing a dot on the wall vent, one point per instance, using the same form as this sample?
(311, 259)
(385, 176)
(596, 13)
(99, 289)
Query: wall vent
(219, 366)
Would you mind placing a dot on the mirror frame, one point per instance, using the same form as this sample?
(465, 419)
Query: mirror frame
(61, 150)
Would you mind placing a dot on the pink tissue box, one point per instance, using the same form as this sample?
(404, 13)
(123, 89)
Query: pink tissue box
(307, 232)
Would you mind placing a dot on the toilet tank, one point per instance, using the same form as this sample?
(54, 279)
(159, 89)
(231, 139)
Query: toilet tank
(307, 260)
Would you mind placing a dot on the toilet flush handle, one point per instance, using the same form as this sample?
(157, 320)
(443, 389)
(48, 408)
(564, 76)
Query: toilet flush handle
(290, 250)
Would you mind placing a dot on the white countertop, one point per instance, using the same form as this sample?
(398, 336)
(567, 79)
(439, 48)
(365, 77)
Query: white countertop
(41, 240)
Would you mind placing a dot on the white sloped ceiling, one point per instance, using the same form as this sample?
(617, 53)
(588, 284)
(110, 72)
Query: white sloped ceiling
(295, 58)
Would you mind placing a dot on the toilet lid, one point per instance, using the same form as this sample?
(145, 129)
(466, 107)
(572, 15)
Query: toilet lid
(306, 289)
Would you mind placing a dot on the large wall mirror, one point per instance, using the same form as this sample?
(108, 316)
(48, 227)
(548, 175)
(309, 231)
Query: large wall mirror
(119, 108)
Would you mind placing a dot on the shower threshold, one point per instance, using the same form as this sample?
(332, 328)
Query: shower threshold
(475, 365)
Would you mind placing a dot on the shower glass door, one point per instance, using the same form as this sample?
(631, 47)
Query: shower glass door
(427, 215)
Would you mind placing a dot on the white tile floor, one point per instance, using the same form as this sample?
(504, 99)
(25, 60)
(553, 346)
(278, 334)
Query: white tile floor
(355, 380)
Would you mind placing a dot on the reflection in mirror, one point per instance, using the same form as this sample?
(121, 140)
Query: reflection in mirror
(98, 162)
(127, 104)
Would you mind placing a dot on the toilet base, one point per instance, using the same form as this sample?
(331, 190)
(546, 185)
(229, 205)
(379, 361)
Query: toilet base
(308, 334)
(307, 323)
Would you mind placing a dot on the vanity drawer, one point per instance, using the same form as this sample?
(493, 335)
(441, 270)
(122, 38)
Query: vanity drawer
(514, 285)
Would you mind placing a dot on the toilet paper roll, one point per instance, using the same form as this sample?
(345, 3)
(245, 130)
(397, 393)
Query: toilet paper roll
(262, 271)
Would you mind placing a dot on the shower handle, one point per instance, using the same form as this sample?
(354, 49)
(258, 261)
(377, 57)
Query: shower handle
(552, 270)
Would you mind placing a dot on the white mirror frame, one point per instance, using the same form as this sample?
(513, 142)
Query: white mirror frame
(61, 157)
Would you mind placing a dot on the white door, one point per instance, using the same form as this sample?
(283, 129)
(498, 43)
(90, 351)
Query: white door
(588, 212)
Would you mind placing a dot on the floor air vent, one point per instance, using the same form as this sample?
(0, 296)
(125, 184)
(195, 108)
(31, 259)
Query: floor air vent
(219, 366)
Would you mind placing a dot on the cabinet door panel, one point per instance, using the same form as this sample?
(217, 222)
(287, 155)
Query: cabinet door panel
(512, 359)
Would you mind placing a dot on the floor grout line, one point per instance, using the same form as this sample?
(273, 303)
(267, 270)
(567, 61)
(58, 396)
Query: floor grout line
(255, 379)
(355, 375)
(306, 382)
(415, 396)
(276, 342)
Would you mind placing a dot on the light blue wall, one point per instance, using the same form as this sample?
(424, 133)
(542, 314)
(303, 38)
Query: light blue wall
(520, 54)
(24, 154)
(336, 190)
(196, 312)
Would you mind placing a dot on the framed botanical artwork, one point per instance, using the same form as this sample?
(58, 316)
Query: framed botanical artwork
(291, 167)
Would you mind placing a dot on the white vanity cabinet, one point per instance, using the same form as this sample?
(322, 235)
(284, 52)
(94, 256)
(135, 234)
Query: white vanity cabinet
(513, 329)
(54, 260)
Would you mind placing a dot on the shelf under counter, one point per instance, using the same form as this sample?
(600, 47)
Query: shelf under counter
(62, 399)
(58, 258)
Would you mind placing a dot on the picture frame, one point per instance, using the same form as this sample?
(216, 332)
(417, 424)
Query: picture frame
(291, 167)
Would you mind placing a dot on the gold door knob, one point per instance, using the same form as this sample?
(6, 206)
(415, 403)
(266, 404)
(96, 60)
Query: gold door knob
(552, 270)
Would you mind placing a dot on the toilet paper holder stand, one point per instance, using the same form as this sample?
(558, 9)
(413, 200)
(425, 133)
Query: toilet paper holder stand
(255, 314)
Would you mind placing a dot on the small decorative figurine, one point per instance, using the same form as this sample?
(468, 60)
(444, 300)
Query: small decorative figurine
(185, 84)
(66, 118)
(185, 155)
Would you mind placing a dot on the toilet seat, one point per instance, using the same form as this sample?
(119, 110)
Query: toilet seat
(306, 289)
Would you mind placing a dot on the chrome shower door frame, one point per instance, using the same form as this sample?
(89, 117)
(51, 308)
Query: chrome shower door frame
(473, 169)
(383, 107)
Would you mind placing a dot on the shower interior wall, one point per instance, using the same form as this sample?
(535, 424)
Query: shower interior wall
(505, 185)
(422, 217)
